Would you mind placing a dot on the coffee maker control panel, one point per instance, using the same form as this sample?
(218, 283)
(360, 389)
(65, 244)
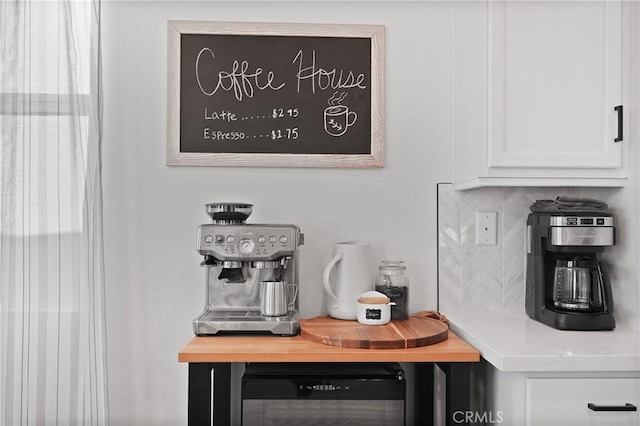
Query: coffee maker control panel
(248, 242)
(581, 221)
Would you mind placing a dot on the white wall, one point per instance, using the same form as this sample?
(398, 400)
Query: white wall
(155, 286)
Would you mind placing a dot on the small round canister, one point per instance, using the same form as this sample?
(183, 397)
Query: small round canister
(374, 308)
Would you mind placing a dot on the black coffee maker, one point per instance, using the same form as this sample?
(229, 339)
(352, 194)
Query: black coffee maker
(567, 286)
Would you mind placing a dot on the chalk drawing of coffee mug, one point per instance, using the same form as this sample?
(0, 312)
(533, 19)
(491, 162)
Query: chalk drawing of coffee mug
(337, 119)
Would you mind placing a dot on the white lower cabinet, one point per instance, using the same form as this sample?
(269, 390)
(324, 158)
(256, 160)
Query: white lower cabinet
(554, 398)
(582, 402)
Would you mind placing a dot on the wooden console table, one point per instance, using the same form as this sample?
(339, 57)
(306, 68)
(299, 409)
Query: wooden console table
(210, 360)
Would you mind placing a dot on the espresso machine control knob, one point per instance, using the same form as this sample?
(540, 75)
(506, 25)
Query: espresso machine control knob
(246, 245)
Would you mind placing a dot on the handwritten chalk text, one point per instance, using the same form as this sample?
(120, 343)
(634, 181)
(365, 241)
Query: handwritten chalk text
(239, 80)
(326, 79)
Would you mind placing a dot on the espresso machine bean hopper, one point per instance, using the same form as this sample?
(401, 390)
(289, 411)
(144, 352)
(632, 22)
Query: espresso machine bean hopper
(238, 257)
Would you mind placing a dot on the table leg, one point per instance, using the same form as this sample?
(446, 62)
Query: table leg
(209, 394)
(423, 393)
(458, 390)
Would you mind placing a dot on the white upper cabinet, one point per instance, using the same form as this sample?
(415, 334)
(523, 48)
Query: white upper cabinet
(538, 90)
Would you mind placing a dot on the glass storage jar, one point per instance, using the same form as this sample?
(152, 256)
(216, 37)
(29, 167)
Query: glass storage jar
(393, 281)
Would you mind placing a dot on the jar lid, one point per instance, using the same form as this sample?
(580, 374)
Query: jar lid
(392, 264)
(373, 298)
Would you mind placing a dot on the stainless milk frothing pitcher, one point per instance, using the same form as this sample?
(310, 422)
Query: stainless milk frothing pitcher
(274, 298)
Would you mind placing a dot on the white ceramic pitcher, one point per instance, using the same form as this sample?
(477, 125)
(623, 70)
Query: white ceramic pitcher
(353, 276)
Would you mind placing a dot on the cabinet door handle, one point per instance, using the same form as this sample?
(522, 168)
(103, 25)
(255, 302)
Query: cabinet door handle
(625, 407)
(619, 110)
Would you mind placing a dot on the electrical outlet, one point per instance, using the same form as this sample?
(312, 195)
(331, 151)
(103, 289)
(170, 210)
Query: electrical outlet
(486, 228)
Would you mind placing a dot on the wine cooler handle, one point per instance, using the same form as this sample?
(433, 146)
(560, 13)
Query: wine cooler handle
(625, 407)
(620, 114)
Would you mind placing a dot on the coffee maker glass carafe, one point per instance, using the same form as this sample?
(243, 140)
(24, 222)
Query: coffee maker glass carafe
(577, 285)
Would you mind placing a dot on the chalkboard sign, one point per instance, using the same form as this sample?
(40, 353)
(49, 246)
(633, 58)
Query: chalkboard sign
(285, 95)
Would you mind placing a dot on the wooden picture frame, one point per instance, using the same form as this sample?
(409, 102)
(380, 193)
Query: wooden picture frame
(261, 95)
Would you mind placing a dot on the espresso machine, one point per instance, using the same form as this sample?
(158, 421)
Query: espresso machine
(245, 264)
(567, 286)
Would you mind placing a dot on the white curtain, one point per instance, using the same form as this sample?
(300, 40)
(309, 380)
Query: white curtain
(52, 325)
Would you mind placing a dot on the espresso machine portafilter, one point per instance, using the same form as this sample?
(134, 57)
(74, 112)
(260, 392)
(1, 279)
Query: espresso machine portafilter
(251, 274)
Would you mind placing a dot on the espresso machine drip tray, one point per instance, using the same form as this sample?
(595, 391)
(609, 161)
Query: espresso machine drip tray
(244, 321)
(232, 315)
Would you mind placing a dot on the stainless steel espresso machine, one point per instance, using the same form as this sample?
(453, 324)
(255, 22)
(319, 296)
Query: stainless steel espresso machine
(567, 286)
(251, 270)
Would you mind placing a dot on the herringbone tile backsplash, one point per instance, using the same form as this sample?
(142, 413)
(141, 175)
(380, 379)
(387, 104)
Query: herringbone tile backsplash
(489, 278)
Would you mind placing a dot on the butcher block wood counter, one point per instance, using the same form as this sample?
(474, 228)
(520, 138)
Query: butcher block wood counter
(297, 349)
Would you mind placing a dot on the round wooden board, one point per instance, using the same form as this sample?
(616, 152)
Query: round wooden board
(411, 333)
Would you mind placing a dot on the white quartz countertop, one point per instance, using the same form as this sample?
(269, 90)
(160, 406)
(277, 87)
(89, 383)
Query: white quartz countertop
(515, 342)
